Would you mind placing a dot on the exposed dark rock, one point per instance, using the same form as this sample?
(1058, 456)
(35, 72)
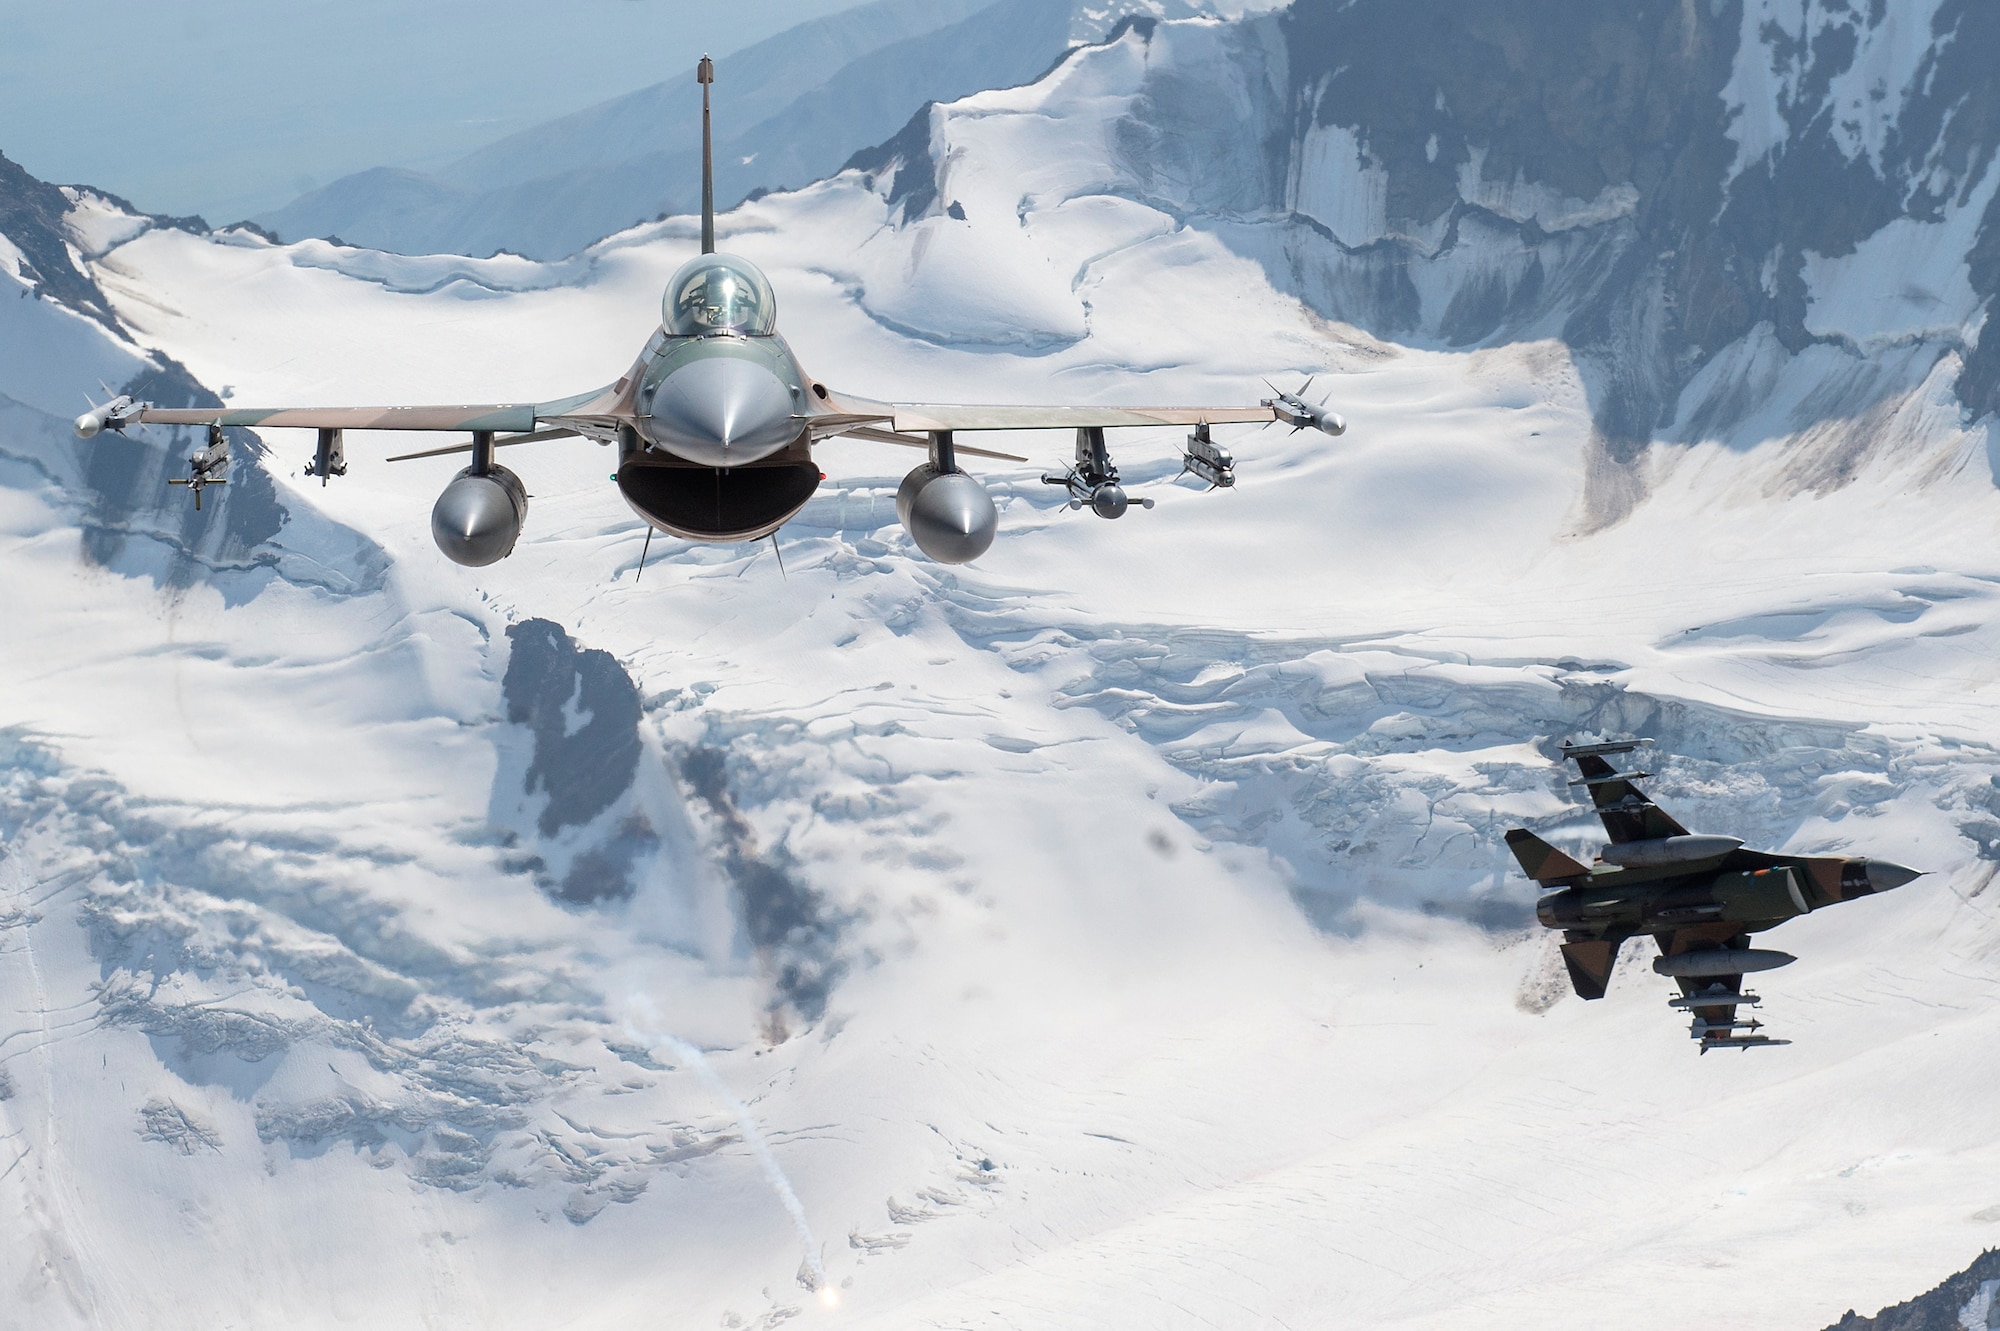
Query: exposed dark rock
(1973, 1293)
(785, 920)
(907, 156)
(1669, 251)
(1583, 97)
(130, 517)
(584, 713)
(31, 215)
(126, 492)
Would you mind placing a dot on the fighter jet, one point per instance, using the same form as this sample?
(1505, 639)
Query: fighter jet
(715, 424)
(1700, 897)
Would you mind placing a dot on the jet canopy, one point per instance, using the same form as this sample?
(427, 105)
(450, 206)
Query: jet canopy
(719, 293)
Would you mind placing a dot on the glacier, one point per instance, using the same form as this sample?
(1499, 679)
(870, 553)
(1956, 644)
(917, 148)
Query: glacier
(1117, 931)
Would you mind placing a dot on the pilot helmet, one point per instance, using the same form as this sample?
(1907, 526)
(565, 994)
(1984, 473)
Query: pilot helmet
(719, 293)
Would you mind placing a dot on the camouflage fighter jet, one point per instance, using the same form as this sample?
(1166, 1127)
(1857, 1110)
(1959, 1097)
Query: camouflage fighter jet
(1700, 897)
(715, 425)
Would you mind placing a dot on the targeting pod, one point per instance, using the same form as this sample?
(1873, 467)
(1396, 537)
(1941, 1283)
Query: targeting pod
(479, 516)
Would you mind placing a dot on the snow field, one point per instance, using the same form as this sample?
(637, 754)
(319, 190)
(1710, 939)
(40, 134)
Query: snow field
(1182, 977)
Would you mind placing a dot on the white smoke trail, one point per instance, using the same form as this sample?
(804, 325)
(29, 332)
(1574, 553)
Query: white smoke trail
(760, 1148)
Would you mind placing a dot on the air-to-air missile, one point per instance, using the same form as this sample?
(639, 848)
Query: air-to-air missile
(1292, 409)
(1700, 897)
(116, 414)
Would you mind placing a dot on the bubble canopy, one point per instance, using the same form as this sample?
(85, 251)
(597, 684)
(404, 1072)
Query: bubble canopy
(719, 293)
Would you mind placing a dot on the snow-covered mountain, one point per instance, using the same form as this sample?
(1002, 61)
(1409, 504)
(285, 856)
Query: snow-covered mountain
(788, 111)
(1115, 932)
(1741, 218)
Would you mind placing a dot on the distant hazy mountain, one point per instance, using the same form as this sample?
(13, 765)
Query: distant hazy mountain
(787, 112)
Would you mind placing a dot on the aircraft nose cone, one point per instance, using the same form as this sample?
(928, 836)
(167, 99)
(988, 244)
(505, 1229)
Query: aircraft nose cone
(1882, 875)
(723, 412)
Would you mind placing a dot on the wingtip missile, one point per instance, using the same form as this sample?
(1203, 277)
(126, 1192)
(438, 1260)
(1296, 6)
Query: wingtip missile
(116, 414)
(1295, 411)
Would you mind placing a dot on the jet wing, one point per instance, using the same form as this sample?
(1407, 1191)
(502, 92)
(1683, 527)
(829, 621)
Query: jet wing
(577, 413)
(506, 416)
(844, 413)
(921, 418)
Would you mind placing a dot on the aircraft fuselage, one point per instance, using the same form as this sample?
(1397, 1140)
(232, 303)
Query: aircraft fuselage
(1752, 889)
(717, 447)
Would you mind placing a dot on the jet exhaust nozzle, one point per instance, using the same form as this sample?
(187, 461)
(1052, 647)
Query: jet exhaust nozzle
(479, 517)
(947, 513)
(1669, 850)
(1722, 961)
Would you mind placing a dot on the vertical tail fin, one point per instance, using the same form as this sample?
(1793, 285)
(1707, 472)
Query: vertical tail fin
(705, 74)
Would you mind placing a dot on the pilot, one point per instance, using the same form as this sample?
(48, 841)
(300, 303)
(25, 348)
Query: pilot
(721, 299)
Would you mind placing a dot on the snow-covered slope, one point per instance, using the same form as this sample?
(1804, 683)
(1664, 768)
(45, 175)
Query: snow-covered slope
(1116, 932)
(788, 111)
(1740, 218)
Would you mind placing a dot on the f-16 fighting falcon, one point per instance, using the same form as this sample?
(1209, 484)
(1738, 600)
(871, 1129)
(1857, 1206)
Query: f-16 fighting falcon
(1700, 897)
(715, 425)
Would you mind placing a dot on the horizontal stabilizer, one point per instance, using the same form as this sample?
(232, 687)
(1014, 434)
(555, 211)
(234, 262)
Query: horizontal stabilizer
(1541, 861)
(1590, 964)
